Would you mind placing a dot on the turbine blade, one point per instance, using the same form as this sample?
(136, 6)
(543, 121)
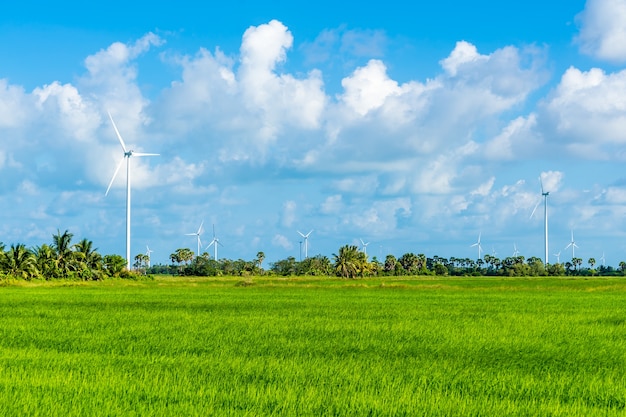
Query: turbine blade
(145, 154)
(119, 165)
(535, 209)
(117, 133)
(300, 233)
(200, 228)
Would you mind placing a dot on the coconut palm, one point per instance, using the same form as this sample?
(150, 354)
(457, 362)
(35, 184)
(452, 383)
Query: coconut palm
(347, 262)
(19, 262)
(61, 243)
(46, 261)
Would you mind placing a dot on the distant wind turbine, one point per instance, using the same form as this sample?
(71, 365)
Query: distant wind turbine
(364, 246)
(572, 244)
(197, 235)
(306, 243)
(215, 242)
(148, 252)
(602, 259)
(544, 194)
(480, 248)
(127, 154)
(515, 251)
(558, 257)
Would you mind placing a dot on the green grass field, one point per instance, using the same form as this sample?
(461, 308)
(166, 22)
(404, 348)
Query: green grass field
(314, 347)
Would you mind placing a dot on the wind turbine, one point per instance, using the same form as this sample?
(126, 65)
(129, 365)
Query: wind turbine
(197, 235)
(572, 244)
(480, 248)
(127, 154)
(602, 259)
(364, 246)
(515, 251)
(214, 242)
(558, 257)
(148, 252)
(306, 243)
(544, 194)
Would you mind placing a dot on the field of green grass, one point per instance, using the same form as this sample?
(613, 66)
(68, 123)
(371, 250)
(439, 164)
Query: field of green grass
(314, 347)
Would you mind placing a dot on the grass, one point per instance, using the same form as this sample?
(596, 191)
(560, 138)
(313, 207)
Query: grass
(311, 347)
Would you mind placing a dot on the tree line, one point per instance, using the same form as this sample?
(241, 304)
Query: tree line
(351, 262)
(61, 259)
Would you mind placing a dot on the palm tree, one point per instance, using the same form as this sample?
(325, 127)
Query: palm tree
(347, 261)
(390, 264)
(46, 260)
(61, 243)
(19, 262)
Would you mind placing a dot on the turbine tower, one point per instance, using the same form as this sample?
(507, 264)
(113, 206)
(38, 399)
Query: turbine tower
(197, 235)
(148, 252)
(127, 154)
(480, 248)
(214, 242)
(544, 194)
(572, 244)
(306, 243)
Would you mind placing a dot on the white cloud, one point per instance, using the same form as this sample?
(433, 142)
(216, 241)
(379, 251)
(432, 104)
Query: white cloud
(464, 53)
(282, 241)
(13, 105)
(551, 180)
(517, 139)
(368, 87)
(588, 108)
(603, 29)
(280, 100)
(289, 213)
(332, 205)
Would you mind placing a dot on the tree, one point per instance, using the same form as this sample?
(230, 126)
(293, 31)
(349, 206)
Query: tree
(260, 257)
(46, 261)
(410, 262)
(114, 265)
(61, 244)
(347, 261)
(390, 264)
(19, 262)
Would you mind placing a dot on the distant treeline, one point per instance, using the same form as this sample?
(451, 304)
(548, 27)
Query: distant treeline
(350, 262)
(62, 259)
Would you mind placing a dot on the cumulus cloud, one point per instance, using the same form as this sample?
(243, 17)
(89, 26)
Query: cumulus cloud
(282, 241)
(603, 30)
(289, 213)
(586, 110)
(279, 99)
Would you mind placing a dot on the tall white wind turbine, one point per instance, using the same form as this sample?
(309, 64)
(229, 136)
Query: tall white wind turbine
(306, 243)
(572, 244)
(215, 242)
(480, 248)
(197, 235)
(364, 246)
(127, 154)
(148, 252)
(544, 194)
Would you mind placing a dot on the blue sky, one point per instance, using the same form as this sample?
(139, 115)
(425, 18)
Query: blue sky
(413, 127)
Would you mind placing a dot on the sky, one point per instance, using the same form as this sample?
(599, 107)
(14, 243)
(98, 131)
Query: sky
(410, 127)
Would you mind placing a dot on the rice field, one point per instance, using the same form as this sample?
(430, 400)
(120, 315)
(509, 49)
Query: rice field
(314, 347)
